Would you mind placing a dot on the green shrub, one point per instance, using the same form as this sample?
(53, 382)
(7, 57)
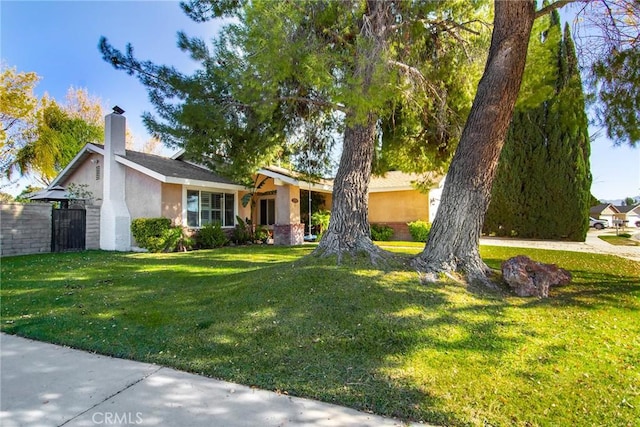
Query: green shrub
(174, 239)
(157, 235)
(419, 230)
(321, 220)
(627, 235)
(242, 233)
(261, 233)
(381, 232)
(212, 236)
(146, 231)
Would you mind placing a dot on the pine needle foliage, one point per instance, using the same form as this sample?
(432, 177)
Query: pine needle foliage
(277, 84)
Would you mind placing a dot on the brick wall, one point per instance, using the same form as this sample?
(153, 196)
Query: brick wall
(25, 228)
(400, 230)
(289, 234)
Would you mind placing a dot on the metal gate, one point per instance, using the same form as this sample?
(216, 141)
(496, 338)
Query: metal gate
(68, 230)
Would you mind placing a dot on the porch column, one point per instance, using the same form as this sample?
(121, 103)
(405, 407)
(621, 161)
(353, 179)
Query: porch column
(288, 230)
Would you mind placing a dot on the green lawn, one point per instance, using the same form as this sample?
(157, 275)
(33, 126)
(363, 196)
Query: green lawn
(370, 339)
(619, 240)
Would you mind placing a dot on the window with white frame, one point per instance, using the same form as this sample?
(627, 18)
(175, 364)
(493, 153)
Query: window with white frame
(205, 207)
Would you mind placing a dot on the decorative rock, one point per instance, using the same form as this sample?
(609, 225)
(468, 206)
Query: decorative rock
(530, 278)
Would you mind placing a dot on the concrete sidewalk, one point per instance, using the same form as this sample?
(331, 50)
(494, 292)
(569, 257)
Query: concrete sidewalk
(48, 385)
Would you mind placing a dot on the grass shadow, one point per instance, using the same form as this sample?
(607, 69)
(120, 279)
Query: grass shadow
(269, 317)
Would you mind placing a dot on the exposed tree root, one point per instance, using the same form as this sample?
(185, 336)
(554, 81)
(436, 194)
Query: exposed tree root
(468, 271)
(333, 244)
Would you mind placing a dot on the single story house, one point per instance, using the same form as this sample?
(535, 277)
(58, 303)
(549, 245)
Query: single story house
(629, 214)
(128, 184)
(604, 211)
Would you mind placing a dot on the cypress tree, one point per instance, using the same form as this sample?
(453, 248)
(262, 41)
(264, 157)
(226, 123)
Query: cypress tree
(572, 138)
(542, 186)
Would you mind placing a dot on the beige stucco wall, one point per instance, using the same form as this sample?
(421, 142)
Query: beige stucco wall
(398, 206)
(172, 202)
(328, 201)
(143, 195)
(287, 204)
(244, 212)
(267, 187)
(286, 210)
(147, 197)
(608, 211)
(86, 174)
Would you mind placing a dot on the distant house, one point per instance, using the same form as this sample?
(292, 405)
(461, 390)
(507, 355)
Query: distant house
(604, 211)
(629, 214)
(128, 184)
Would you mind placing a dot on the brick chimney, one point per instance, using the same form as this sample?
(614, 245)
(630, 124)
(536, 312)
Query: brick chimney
(115, 220)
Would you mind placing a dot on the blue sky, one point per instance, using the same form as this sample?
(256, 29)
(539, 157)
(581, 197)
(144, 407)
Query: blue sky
(58, 40)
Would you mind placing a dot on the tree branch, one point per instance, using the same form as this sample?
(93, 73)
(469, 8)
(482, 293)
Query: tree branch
(553, 6)
(317, 102)
(11, 123)
(416, 75)
(442, 24)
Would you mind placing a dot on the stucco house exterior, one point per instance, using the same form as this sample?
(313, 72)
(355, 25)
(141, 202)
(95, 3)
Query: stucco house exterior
(128, 184)
(604, 211)
(630, 215)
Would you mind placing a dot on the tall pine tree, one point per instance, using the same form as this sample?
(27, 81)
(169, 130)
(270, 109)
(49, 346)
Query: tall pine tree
(283, 78)
(542, 186)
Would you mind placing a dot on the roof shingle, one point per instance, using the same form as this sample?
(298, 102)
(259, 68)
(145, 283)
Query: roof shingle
(175, 168)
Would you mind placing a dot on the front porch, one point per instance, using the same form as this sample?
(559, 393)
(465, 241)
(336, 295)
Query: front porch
(282, 202)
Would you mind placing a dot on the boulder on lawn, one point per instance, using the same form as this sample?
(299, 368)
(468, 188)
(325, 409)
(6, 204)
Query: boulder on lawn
(530, 278)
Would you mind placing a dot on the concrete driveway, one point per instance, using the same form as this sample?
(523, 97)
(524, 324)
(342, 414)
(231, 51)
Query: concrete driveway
(591, 244)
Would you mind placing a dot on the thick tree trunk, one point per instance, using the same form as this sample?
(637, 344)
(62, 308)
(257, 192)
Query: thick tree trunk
(453, 243)
(349, 231)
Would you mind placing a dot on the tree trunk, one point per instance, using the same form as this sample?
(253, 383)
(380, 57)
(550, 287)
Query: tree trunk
(349, 230)
(453, 243)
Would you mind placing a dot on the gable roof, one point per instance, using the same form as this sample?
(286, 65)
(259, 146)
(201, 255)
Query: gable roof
(176, 170)
(75, 163)
(629, 209)
(172, 171)
(391, 181)
(598, 209)
(288, 176)
(164, 169)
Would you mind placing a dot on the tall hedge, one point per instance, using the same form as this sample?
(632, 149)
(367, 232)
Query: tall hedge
(542, 185)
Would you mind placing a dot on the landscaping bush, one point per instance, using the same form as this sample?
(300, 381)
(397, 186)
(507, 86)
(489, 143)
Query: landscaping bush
(321, 220)
(381, 232)
(261, 234)
(212, 236)
(174, 239)
(419, 230)
(157, 235)
(242, 233)
(146, 231)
